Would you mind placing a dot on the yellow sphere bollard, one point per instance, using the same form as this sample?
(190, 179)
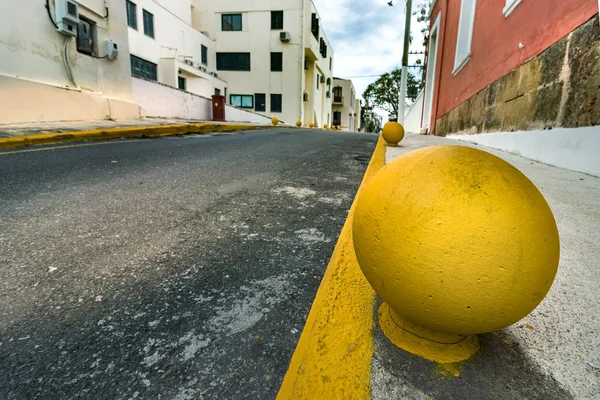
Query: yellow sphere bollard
(298, 123)
(311, 125)
(325, 126)
(393, 133)
(274, 121)
(457, 242)
(339, 128)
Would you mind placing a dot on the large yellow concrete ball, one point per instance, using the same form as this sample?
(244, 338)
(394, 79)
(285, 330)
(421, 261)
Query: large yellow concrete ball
(274, 120)
(456, 239)
(298, 123)
(393, 133)
(311, 125)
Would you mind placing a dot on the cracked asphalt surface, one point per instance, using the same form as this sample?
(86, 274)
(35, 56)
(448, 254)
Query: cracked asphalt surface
(173, 268)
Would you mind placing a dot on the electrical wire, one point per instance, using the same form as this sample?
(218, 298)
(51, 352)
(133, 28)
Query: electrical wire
(66, 62)
(50, 14)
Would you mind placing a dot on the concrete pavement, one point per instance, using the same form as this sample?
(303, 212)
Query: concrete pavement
(19, 135)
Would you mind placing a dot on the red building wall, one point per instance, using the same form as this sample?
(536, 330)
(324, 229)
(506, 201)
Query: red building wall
(495, 49)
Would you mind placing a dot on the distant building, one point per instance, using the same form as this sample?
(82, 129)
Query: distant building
(275, 56)
(344, 105)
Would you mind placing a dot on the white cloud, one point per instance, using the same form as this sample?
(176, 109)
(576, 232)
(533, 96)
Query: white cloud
(367, 37)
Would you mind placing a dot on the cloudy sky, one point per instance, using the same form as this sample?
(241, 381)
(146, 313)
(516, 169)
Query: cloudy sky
(367, 36)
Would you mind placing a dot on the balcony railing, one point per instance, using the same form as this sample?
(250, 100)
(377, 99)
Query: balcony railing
(338, 99)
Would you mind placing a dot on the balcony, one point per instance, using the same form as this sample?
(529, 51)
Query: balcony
(338, 99)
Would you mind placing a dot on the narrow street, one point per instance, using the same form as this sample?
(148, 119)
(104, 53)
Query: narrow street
(173, 268)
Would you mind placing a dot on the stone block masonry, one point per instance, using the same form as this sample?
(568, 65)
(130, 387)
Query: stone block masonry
(558, 88)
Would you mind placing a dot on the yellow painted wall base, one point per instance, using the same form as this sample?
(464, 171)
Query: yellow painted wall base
(440, 347)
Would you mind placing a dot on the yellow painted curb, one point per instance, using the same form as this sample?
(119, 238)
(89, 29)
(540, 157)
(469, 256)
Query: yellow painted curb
(115, 133)
(333, 357)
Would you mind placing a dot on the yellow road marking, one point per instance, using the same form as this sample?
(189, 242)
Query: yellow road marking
(333, 357)
(66, 147)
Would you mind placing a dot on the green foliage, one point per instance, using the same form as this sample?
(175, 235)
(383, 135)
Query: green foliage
(384, 93)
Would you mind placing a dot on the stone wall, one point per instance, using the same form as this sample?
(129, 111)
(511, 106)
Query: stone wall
(558, 88)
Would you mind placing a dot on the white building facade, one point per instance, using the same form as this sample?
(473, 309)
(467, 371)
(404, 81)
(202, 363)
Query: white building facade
(46, 75)
(345, 113)
(167, 48)
(274, 55)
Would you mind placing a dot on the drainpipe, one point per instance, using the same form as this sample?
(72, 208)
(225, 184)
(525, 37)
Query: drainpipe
(301, 63)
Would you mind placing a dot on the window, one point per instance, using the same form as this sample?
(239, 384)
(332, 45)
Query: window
(276, 20)
(331, 63)
(233, 61)
(318, 77)
(337, 94)
(242, 100)
(131, 15)
(204, 55)
(314, 26)
(231, 22)
(465, 34)
(181, 83)
(217, 92)
(323, 48)
(510, 7)
(276, 62)
(148, 24)
(261, 102)
(337, 118)
(143, 69)
(275, 103)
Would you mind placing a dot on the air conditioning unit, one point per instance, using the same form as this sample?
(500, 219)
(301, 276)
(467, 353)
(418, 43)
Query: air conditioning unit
(67, 17)
(201, 68)
(305, 96)
(285, 36)
(189, 62)
(322, 78)
(329, 81)
(214, 74)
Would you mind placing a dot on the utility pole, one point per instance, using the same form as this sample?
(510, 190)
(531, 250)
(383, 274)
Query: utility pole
(405, 62)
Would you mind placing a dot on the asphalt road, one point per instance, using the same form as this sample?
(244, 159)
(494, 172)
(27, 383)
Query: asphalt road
(174, 268)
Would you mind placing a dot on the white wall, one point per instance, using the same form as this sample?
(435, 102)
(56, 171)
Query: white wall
(412, 119)
(159, 100)
(32, 59)
(576, 149)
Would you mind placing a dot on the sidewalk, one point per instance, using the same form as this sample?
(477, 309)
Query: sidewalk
(16, 135)
(554, 353)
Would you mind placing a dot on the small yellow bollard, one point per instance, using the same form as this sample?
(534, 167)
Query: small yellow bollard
(339, 128)
(298, 123)
(457, 242)
(393, 133)
(325, 126)
(274, 121)
(311, 125)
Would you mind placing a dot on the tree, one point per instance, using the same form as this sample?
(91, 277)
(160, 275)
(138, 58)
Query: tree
(384, 93)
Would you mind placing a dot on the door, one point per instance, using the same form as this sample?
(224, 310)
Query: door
(430, 79)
